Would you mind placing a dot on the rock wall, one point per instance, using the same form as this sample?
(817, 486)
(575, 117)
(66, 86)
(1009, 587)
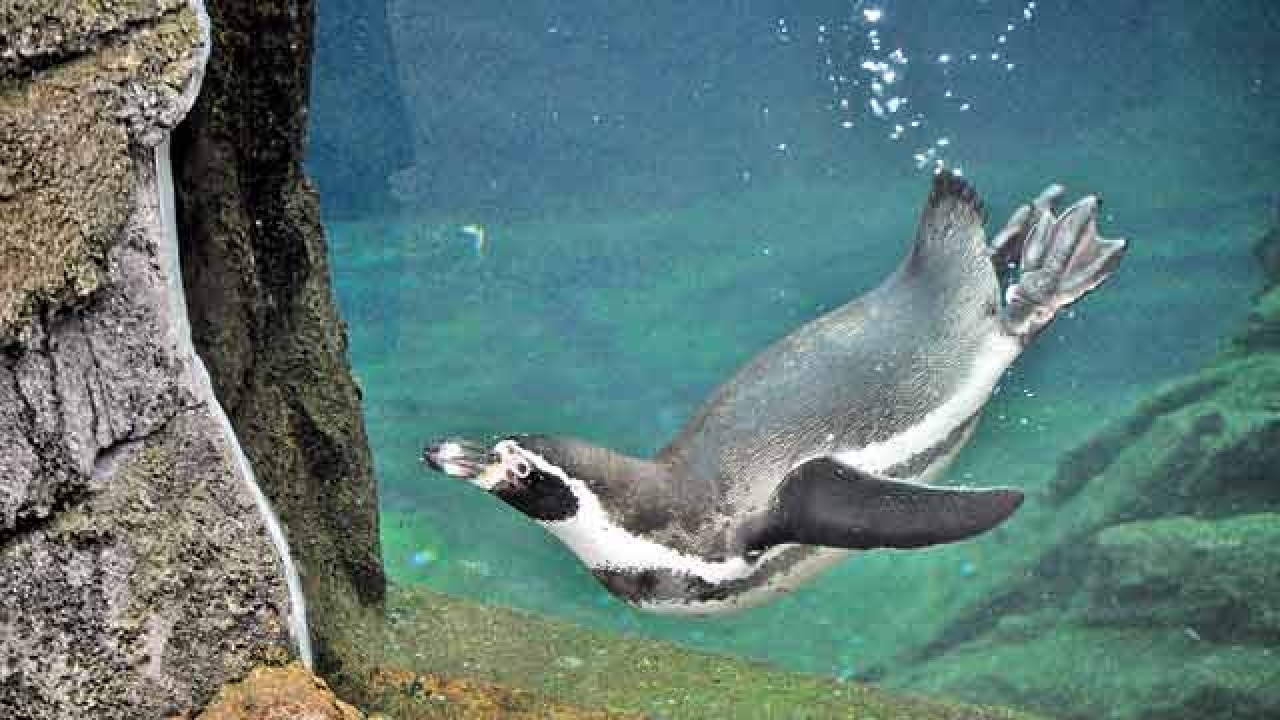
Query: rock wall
(136, 571)
(263, 317)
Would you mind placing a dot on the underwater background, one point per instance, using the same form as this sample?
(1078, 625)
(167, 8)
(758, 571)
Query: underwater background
(579, 218)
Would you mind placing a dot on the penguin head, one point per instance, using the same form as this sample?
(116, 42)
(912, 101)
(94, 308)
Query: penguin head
(522, 477)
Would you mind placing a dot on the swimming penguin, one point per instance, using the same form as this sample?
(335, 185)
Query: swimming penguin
(826, 441)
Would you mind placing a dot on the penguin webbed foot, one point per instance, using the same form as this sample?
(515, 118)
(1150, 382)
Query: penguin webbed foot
(1048, 261)
(1006, 246)
(826, 503)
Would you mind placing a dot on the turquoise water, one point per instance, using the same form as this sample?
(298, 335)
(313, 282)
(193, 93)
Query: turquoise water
(664, 190)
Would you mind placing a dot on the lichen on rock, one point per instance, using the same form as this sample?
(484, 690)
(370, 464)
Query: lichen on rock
(137, 574)
(65, 186)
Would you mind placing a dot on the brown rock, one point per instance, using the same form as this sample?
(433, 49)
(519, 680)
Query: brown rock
(279, 693)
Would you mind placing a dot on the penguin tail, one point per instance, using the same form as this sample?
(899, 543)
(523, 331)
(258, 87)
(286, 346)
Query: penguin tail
(1057, 259)
(949, 260)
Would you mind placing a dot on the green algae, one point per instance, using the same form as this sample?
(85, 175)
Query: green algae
(1076, 671)
(432, 632)
(1217, 577)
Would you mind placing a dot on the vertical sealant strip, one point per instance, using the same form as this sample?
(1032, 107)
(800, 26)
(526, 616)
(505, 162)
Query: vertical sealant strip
(171, 263)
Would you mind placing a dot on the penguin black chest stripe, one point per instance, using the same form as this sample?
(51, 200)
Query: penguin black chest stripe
(604, 544)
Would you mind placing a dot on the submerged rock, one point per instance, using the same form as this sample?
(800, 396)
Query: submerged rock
(1215, 579)
(279, 693)
(292, 692)
(413, 696)
(1262, 332)
(432, 641)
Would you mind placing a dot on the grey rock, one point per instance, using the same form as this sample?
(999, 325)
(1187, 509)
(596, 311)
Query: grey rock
(141, 598)
(136, 575)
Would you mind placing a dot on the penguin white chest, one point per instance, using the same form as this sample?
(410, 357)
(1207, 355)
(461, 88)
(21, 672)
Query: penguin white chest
(927, 437)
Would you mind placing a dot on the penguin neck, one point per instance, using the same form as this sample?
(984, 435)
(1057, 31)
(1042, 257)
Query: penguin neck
(605, 545)
(629, 512)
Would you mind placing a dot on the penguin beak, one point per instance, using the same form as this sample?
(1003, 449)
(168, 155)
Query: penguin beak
(457, 458)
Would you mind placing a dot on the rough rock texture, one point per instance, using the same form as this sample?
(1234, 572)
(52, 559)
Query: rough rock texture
(291, 692)
(1217, 575)
(38, 33)
(262, 312)
(142, 598)
(1157, 594)
(135, 572)
(64, 186)
(279, 693)
(452, 658)
(1262, 333)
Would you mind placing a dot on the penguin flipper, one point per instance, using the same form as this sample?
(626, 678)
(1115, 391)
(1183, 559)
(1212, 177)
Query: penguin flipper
(826, 503)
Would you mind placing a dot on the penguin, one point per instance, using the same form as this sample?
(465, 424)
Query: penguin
(827, 442)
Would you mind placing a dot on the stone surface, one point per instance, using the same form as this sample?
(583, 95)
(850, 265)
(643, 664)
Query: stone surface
(88, 380)
(292, 692)
(1216, 577)
(142, 598)
(35, 34)
(135, 572)
(262, 312)
(422, 696)
(64, 186)
(441, 656)
(279, 693)
(1262, 332)
(1078, 672)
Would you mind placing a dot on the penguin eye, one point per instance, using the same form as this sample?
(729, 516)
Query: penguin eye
(522, 467)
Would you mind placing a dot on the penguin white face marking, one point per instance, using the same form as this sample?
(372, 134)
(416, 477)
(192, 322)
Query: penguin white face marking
(567, 507)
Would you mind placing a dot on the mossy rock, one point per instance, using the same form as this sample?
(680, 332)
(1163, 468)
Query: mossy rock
(1069, 670)
(1200, 445)
(1216, 577)
(114, 77)
(432, 635)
